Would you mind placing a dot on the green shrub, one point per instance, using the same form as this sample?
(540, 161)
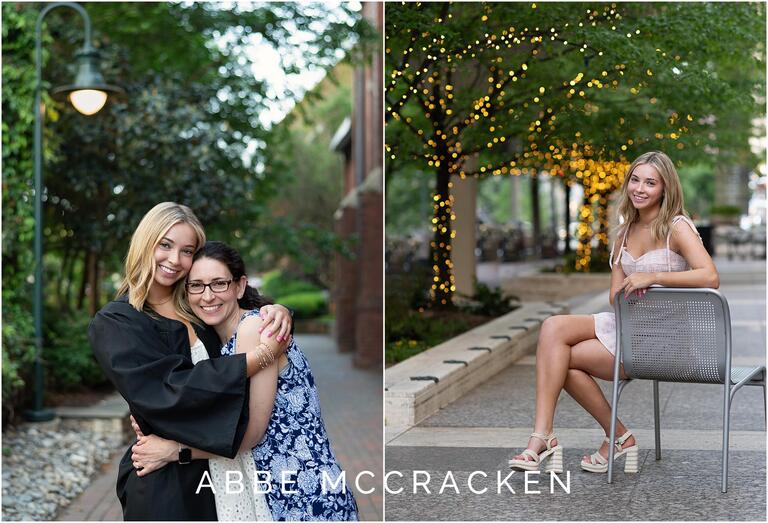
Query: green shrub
(67, 352)
(306, 305)
(277, 284)
(490, 302)
(18, 348)
(306, 299)
(409, 290)
(410, 327)
(410, 332)
(729, 211)
(401, 350)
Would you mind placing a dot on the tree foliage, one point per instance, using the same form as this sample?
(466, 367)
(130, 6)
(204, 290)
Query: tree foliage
(479, 89)
(189, 129)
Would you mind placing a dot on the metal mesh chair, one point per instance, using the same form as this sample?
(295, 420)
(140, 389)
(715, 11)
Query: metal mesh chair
(678, 335)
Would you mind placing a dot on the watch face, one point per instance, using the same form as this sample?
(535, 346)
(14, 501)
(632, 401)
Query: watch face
(185, 456)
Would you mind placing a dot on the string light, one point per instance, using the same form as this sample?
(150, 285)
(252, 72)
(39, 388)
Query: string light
(423, 96)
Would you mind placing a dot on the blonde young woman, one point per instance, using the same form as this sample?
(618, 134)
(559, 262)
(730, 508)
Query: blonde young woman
(656, 245)
(143, 342)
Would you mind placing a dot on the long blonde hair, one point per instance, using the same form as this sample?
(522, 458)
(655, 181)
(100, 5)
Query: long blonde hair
(140, 263)
(671, 198)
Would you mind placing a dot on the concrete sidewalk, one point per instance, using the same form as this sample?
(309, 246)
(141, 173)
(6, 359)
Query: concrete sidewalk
(351, 402)
(480, 431)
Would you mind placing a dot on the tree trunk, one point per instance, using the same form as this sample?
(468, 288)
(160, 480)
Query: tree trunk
(65, 260)
(440, 248)
(83, 283)
(552, 185)
(443, 283)
(584, 248)
(567, 213)
(93, 283)
(70, 277)
(536, 215)
(601, 251)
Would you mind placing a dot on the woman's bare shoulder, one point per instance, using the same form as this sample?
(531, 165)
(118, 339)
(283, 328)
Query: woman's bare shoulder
(250, 324)
(683, 230)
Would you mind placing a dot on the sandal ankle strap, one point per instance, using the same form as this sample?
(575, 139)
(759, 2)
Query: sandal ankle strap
(619, 442)
(546, 438)
(621, 439)
(624, 437)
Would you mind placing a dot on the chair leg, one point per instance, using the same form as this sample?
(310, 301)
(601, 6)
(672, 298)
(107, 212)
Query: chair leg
(622, 385)
(765, 412)
(656, 419)
(614, 411)
(726, 434)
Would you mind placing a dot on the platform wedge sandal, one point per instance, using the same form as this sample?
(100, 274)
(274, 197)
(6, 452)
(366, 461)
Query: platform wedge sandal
(552, 455)
(598, 463)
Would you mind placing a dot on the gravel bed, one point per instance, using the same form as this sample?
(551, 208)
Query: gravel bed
(46, 465)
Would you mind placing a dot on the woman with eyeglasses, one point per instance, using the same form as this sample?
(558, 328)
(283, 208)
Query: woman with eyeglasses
(293, 463)
(144, 340)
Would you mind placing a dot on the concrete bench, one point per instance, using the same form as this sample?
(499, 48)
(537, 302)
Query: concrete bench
(423, 384)
(109, 416)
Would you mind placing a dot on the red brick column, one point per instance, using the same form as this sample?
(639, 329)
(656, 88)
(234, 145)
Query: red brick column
(370, 292)
(345, 289)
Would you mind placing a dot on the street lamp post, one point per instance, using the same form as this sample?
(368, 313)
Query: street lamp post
(88, 94)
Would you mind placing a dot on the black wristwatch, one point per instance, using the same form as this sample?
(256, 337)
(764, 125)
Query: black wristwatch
(185, 455)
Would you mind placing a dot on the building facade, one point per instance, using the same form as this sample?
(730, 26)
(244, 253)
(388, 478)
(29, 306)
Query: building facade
(358, 294)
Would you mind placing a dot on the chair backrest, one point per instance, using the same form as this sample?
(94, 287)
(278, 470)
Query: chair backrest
(681, 335)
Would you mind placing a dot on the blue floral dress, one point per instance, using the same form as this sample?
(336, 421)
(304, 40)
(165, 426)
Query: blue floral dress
(296, 442)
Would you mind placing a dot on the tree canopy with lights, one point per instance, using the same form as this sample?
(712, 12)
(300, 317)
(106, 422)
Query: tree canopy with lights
(576, 90)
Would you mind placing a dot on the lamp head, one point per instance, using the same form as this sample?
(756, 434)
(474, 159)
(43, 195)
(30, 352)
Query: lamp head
(89, 92)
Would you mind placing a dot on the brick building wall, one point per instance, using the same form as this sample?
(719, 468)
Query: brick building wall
(358, 295)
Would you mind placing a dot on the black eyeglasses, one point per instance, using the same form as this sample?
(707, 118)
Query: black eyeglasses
(217, 286)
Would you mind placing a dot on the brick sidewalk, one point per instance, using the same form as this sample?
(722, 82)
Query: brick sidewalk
(351, 401)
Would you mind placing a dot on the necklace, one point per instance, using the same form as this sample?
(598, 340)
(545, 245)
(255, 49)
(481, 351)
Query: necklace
(161, 302)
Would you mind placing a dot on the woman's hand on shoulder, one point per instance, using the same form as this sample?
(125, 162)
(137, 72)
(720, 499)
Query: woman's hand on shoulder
(251, 334)
(277, 347)
(277, 321)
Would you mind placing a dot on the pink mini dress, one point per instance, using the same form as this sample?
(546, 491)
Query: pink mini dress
(657, 260)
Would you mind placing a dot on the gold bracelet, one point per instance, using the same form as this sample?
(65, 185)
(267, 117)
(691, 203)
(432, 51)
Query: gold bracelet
(266, 358)
(260, 356)
(269, 354)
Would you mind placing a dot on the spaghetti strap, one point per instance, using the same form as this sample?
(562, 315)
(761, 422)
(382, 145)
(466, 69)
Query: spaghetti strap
(669, 235)
(623, 242)
(689, 222)
(680, 217)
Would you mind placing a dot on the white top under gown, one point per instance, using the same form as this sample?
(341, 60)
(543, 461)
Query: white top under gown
(246, 505)
(657, 260)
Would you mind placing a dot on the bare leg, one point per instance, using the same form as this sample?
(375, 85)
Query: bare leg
(589, 358)
(553, 354)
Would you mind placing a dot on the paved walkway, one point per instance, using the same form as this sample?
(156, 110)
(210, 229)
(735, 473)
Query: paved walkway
(351, 401)
(480, 431)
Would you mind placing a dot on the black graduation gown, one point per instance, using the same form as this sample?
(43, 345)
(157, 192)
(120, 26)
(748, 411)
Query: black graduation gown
(204, 406)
